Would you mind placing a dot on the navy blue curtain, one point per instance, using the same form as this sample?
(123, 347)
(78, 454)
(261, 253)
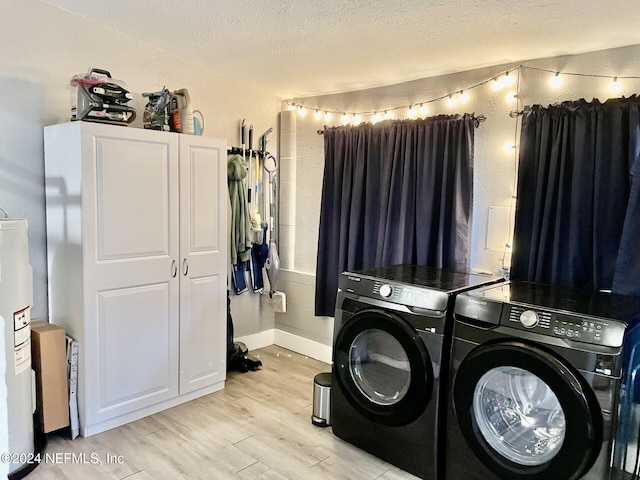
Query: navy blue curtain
(578, 210)
(394, 192)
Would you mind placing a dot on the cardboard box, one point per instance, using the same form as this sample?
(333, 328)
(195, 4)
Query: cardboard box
(49, 360)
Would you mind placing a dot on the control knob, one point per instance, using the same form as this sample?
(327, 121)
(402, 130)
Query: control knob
(385, 290)
(529, 318)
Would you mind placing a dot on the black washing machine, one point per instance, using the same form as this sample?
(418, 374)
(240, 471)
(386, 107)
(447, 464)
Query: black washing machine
(536, 375)
(390, 344)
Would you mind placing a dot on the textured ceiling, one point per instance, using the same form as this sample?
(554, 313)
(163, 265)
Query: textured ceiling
(297, 48)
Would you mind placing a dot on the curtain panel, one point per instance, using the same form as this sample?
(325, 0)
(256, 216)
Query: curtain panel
(394, 192)
(578, 214)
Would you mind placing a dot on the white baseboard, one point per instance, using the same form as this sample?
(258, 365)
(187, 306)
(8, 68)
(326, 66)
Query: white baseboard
(258, 340)
(287, 340)
(302, 345)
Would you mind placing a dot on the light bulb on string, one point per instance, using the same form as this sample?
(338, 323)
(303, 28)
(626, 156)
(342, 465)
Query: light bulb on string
(411, 113)
(511, 97)
(356, 119)
(291, 106)
(302, 111)
(464, 96)
(327, 116)
(375, 118)
(423, 110)
(344, 119)
(614, 86)
(388, 115)
(508, 80)
(451, 102)
(509, 147)
(496, 84)
(556, 80)
(317, 115)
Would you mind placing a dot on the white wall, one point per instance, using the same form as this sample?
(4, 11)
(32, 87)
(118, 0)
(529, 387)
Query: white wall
(42, 47)
(494, 172)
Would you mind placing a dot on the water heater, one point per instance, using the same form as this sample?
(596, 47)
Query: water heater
(16, 294)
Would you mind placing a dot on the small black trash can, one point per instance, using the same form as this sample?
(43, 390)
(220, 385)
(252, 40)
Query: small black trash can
(321, 400)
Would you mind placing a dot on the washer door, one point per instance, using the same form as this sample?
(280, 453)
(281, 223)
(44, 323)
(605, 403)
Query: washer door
(527, 414)
(383, 367)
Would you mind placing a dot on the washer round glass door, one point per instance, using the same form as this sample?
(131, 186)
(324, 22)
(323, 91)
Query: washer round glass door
(383, 367)
(519, 415)
(526, 413)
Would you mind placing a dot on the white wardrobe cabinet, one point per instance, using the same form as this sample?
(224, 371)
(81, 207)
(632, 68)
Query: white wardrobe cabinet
(136, 245)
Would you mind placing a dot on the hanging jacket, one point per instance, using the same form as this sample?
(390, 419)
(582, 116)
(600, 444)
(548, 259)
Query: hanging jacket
(240, 225)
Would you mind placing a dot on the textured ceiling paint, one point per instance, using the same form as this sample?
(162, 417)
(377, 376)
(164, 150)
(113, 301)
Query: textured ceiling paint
(296, 48)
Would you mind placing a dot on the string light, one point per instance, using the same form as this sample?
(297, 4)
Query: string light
(556, 80)
(302, 111)
(511, 147)
(357, 119)
(317, 115)
(461, 96)
(496, 82)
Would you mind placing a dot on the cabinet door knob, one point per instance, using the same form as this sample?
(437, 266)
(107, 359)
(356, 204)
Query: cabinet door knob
(185, 267)
(174, 268)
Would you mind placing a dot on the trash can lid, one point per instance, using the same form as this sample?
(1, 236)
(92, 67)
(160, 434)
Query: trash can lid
(323, 379)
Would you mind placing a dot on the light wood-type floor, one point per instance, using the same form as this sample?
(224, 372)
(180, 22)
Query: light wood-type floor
(258, 427)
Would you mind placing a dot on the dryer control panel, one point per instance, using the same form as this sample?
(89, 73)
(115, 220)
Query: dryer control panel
(394, 292)
(410, 296)
(557, 324)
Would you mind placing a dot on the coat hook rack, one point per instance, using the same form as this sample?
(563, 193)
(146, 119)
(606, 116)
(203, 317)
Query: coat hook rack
(239, 151)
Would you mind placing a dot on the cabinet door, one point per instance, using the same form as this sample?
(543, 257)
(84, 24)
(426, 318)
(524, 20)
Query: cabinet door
(130, 225)
(203, 262)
